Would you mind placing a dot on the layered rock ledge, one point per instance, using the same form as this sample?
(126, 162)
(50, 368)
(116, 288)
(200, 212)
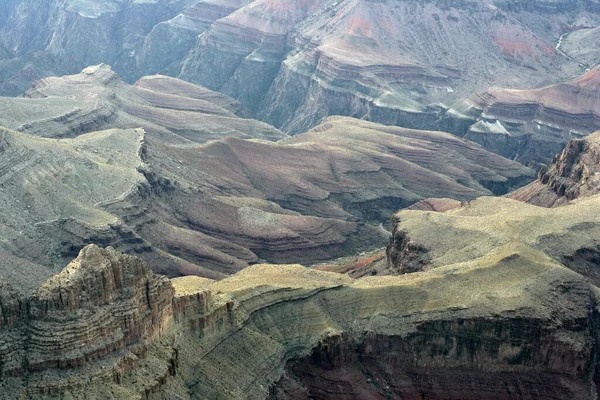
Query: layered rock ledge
(513, 323)
(572, 174)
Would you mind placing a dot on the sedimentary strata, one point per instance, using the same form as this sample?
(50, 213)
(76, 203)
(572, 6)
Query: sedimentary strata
(532, 125)
(191, 205)
(168, 109)
(572, 174)
(287, 331)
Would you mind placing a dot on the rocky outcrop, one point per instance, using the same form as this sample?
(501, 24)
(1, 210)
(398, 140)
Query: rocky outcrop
(514, 325)
(531, 125)
(240, 54)
(103, 309)
(293, 63)
(88, 31)
(168, 109)
(573, 174)
(568, 233)
(169, 42)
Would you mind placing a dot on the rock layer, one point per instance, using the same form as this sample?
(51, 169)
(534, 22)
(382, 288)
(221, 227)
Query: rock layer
(212, 209)
(532, 125)
(168, 109)
(525, 322)
(573, 174)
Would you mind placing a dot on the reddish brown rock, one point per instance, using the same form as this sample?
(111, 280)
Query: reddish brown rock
(575, 173)
(531, 125)
(106, 327)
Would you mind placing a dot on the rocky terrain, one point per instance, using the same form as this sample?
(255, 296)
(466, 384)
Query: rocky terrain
(531, 125)
(293, 63)
(166, 108)
(555, 215)
(458, 331)
(572, 175)
(166, 166)
(156, 182)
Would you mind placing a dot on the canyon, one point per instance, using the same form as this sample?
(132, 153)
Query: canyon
(493, 298)
(294, 63)
(174, 173)
(299, 199)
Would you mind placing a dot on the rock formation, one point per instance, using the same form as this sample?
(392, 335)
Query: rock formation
(531, 125)
(166, 108)
(289, 332)
(293, 63)
(211, 209)
(367, 59)
(427, 239)
(573, 174)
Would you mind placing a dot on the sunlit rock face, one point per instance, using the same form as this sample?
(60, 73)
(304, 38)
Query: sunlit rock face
(573, 174)
(511, 325)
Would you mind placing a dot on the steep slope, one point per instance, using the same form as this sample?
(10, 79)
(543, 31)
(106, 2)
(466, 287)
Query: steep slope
(136, 37)
(169, 42)
(582, 44)
(92, 32)
(4, 52)
(511, 325)
(573, 174)
(295, 62)
(47, 181)
(531, 125)
(18, 73)
(212, 209)
(391, 62)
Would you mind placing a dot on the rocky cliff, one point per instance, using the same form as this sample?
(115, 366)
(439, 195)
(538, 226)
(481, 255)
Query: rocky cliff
(294, 63)
(375, 59)
(189, 204)
(531, 125)
(573, 174)
(106, 327)
(427, 239)
(102, 310)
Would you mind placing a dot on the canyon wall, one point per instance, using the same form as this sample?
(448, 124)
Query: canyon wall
(107, 327)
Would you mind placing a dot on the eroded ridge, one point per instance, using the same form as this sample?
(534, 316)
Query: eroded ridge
(512, 321)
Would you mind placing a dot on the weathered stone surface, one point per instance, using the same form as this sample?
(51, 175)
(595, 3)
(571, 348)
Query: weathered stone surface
(295, 62)
(103, 309)
(513, 323)
(531, 126)
(573, 174)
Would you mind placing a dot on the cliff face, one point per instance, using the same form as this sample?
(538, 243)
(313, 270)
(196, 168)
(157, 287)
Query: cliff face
(573, 174)
(91, 32)
(106, 327)
(294, 63)
(374, 59)
(531, 125)
(104, 308)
